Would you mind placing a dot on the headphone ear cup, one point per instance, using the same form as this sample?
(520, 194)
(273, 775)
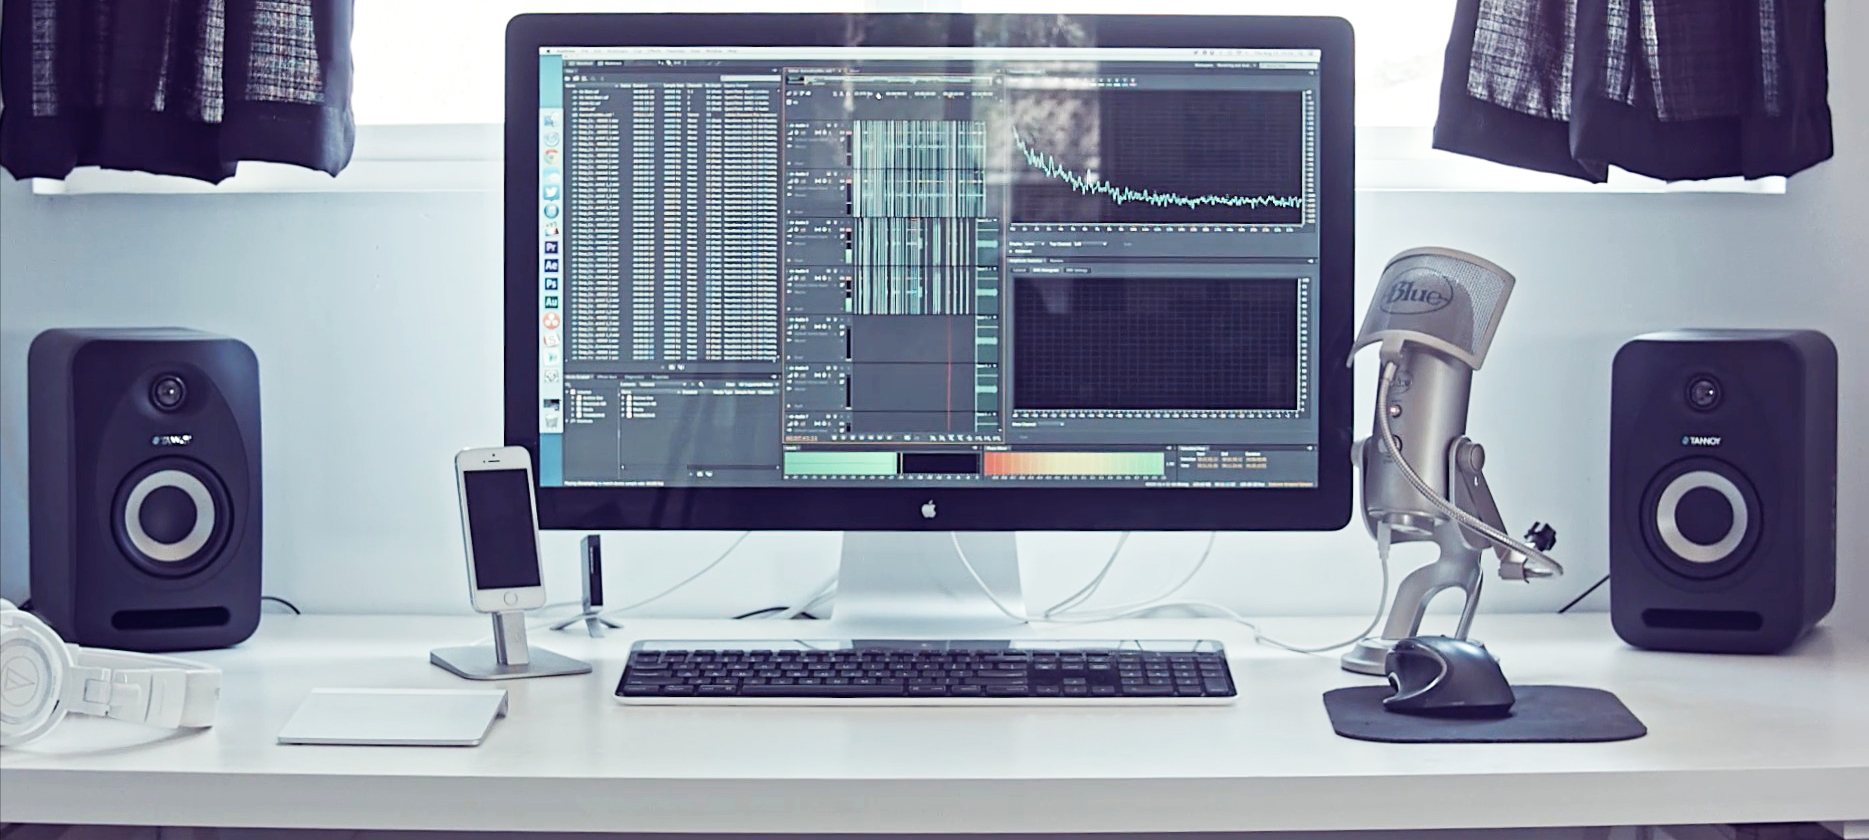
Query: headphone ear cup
(34, 662)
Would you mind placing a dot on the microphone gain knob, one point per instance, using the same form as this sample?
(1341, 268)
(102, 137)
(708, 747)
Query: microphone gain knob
(1472, 456)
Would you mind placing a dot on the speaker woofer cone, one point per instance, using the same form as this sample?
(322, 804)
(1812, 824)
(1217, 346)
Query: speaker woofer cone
(163, 553)
(1675, 546)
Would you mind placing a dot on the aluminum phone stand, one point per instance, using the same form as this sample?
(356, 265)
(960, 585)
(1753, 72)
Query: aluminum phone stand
(509, 658)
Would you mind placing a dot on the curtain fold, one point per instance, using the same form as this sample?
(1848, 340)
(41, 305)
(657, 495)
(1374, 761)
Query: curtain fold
(1672, 89)
(174, 87)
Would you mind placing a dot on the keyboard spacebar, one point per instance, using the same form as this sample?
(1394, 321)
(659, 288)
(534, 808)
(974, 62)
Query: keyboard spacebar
(879, 690)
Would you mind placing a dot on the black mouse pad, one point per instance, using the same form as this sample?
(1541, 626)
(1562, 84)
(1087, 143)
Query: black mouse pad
(1540, 713)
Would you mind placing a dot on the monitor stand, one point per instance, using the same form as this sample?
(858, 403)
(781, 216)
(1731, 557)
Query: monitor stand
(912, 584)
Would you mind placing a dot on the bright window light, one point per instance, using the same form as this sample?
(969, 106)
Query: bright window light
(430, 87)
(425, 62)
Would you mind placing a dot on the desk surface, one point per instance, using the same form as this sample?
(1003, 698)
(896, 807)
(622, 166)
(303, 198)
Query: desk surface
(1731, 739)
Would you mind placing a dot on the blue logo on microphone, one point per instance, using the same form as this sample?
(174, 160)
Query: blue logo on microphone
(1417, 293)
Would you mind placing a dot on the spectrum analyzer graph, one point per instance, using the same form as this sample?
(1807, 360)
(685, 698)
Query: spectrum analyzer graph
(1156, 343)
(1178, 156)
(1086, 185)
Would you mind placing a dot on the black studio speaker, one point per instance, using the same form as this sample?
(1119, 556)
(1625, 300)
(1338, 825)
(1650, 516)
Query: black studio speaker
(145, 487)
(1723, 489)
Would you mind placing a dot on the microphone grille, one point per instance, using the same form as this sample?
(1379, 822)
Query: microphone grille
(1447, 299)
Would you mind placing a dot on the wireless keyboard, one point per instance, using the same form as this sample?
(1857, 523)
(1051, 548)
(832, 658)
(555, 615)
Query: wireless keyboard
(921, 672)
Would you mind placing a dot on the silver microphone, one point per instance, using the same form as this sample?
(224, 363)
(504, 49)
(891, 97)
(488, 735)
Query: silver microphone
(1434, 315)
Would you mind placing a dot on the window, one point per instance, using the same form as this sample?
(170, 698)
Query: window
(437, 61)
(430, 82)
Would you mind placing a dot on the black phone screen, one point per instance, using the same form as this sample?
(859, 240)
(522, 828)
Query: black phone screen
(499, 523)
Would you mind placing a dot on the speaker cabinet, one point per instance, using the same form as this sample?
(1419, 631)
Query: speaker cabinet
(145, 487)
(1723, 489)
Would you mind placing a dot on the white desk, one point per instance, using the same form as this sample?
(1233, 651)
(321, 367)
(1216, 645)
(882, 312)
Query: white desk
(1731, 739)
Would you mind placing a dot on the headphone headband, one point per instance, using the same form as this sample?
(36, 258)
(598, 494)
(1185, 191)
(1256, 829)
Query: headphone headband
(42, 679)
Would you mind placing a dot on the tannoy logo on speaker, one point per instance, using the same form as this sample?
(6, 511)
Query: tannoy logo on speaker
(171, 440)
(1700, 440)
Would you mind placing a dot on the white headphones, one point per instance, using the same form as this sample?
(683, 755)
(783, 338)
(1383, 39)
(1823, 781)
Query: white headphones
(42, 680)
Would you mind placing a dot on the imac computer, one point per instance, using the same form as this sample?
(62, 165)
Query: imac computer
(928, 280)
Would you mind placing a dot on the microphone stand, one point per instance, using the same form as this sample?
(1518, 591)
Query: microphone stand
(1457, 567)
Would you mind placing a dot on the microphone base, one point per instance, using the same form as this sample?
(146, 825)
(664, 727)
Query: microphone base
(1369, 656)
(1457, 568)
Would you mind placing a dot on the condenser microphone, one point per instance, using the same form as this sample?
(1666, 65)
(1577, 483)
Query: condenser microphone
(1434, 313)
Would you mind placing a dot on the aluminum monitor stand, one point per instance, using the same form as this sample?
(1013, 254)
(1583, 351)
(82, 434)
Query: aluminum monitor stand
(913, 584)
(509, 658)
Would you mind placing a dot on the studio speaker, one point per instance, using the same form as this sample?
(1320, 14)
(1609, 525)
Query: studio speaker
(145, 487)
(1722, 489)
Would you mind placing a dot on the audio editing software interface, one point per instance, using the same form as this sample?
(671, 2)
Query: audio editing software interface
(797, 267)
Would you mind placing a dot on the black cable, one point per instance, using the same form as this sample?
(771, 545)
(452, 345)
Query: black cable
(800, 615)
(288, 604)
(1586, 594)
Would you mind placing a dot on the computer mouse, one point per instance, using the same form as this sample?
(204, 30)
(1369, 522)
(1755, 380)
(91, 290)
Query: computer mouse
(1444, 676)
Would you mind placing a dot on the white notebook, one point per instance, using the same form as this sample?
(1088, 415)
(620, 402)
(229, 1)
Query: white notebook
(413, 717)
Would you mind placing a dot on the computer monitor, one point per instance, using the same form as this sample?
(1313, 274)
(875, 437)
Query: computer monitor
(901, 275)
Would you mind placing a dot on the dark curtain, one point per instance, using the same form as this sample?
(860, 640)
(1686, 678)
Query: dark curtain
(1673, 89)
(176, 87)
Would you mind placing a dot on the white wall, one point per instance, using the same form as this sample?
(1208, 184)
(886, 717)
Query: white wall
(376, 321)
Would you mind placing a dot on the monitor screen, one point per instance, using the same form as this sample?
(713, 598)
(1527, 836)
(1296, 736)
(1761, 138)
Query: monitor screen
(930, 265)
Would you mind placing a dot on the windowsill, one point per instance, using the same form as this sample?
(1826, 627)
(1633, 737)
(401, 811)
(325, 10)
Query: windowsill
(467, 158)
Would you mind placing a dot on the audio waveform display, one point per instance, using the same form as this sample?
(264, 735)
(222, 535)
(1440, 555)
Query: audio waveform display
(1089, 185)
(915, 266)
(918, 168)
(918, 194)
(1161, 157)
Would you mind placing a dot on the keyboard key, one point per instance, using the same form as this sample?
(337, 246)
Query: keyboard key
(892, 690)
(994, 679)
